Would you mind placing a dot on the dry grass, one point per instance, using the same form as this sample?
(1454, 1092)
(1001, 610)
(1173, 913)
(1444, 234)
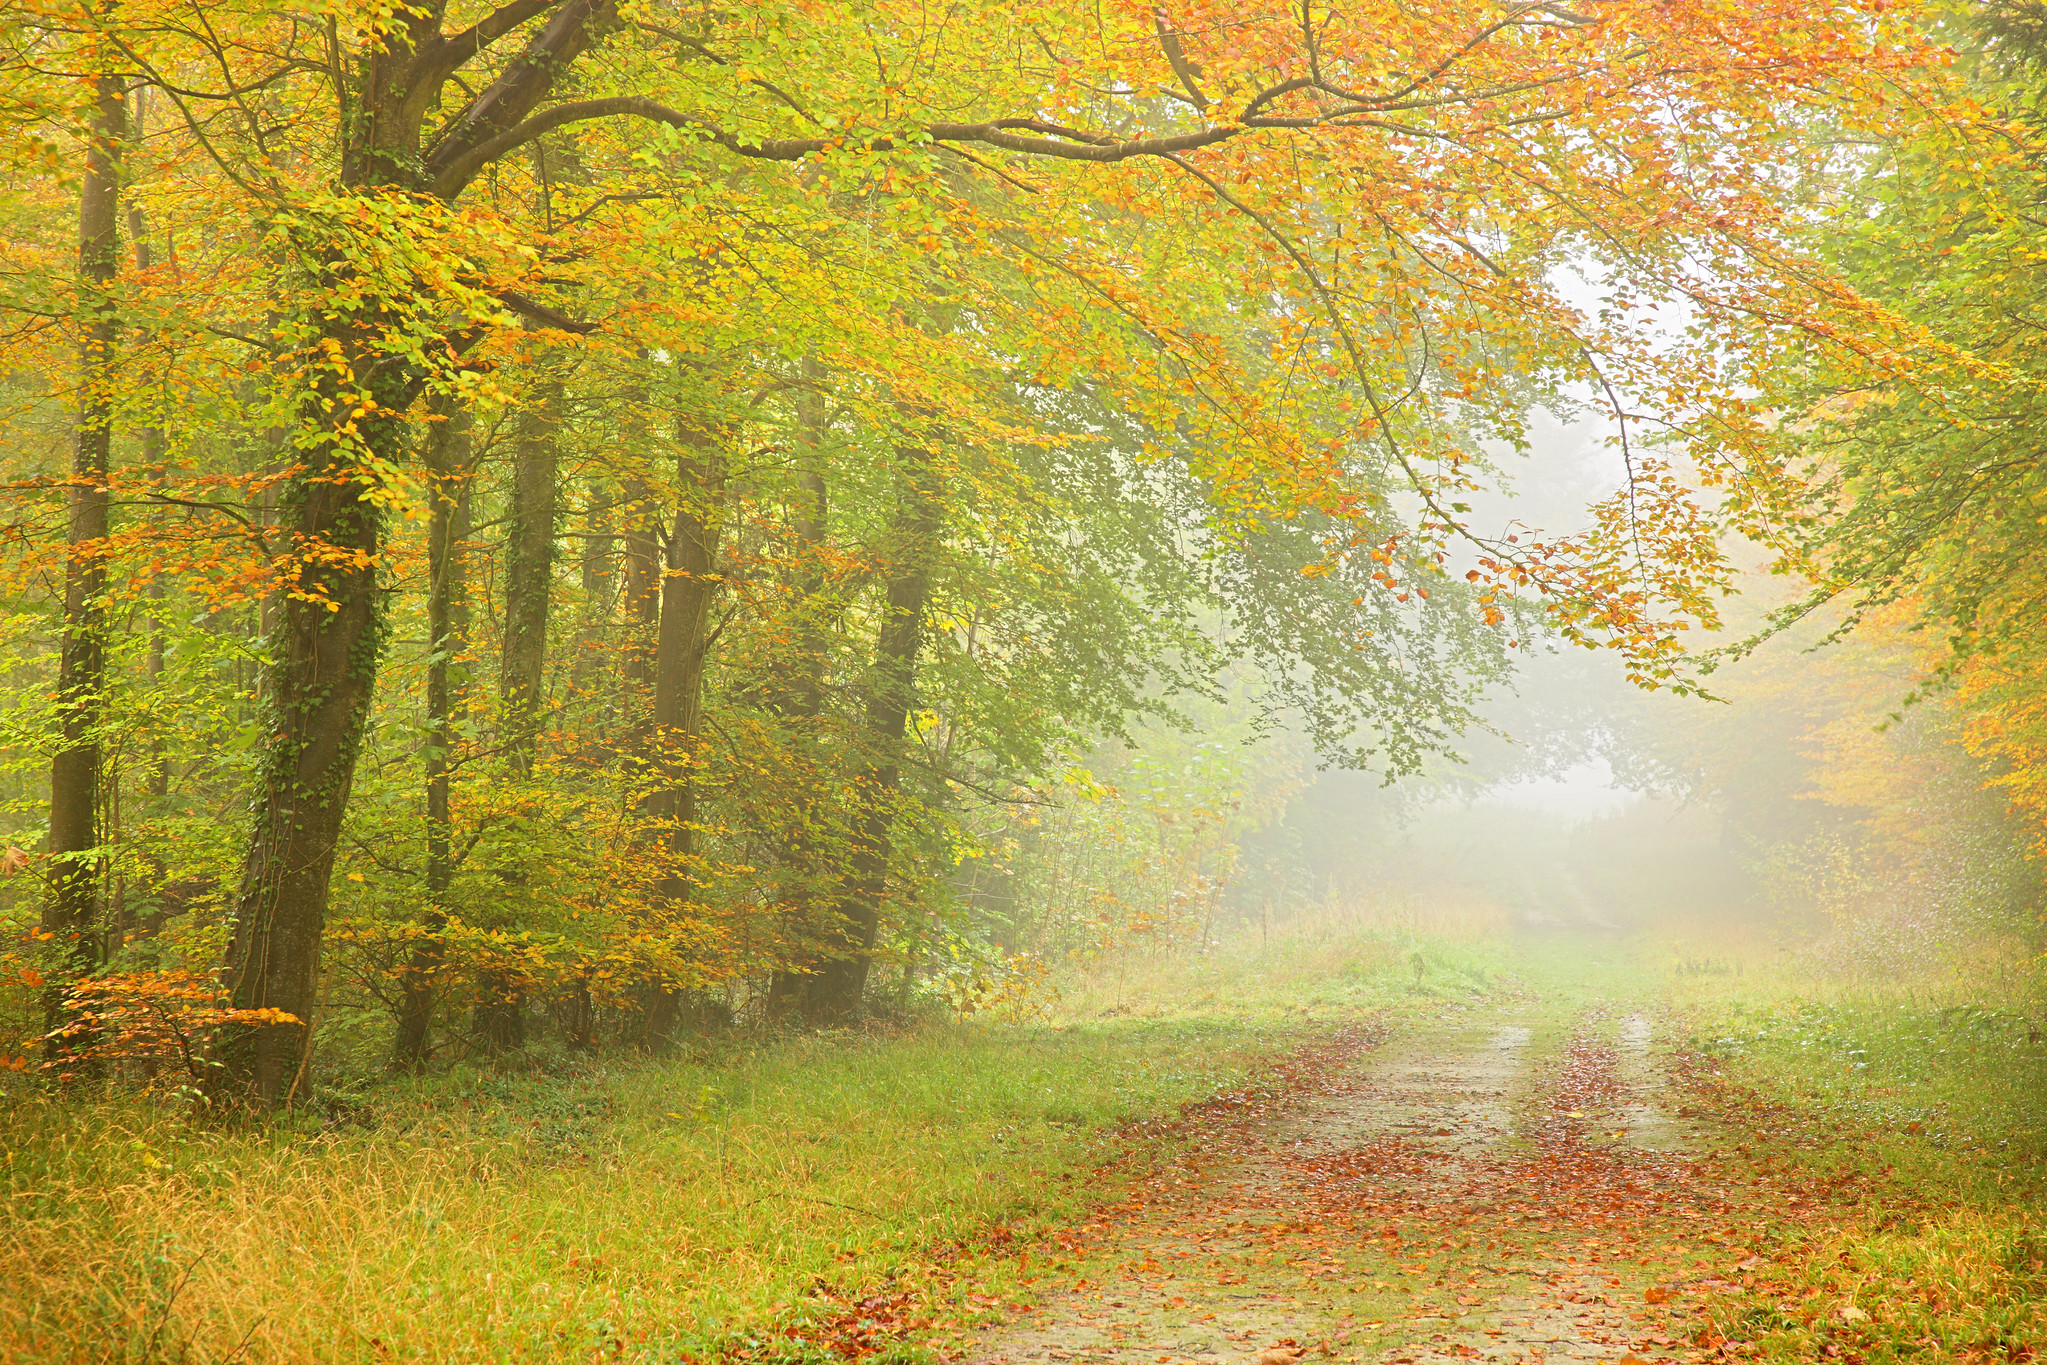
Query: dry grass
(644, 1211)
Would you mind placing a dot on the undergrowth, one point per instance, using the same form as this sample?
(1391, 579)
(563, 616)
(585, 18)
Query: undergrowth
(773, 1198)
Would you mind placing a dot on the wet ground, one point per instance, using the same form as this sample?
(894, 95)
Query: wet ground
(1490, 1187)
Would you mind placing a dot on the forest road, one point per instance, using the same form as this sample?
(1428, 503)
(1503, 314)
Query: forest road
(1479, 1188)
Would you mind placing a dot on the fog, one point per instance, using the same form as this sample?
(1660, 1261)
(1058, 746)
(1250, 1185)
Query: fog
(1810, 803)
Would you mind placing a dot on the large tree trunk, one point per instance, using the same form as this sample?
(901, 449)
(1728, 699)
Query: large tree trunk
(681, 656)
(325, 650)
(448, 467)
(529, 572)
(71, 913)
(834, 991)
(317, 694)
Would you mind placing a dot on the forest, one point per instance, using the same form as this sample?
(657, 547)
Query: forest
(851, 610)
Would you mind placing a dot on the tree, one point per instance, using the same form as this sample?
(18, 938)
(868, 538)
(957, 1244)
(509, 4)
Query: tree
(1923, 492)
(73, 914)
(1239, 304)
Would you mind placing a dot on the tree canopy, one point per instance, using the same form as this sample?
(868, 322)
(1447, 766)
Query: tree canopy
(540, 511)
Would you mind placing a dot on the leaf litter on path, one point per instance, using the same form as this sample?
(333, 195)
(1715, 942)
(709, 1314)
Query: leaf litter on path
(1440, 1200)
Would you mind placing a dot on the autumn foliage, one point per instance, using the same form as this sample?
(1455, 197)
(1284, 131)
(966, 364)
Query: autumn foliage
(586, 515)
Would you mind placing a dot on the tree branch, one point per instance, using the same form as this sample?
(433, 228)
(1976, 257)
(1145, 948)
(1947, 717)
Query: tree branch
(478, 136)
(1052, 140)
(442, 61)
(1189, 74)
(548, 317)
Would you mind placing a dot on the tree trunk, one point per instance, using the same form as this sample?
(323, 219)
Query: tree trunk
(529, 602)
(448, 468)
(834, 991)
(529, 572)
(71, 913)
(682, 650)
(155, 446)
(799, 696)
(325, 650)
(599, 583)
(681, 656)
(154, 449)
(317, 692)
(806, 689)
(640, 588)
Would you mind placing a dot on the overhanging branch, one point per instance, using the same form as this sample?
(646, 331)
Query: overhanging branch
(1029, 137)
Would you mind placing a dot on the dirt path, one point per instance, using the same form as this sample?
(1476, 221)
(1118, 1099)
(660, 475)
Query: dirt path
(1496, 1187)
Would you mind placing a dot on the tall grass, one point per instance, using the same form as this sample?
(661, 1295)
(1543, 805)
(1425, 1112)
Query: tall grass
(1337, 957)
(644, 1211)
(1947, 1041)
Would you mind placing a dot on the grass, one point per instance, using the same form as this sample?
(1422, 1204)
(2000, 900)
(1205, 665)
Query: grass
(1923, 1087)
(764, 1199)
(1967, 1285)
(644, 1211)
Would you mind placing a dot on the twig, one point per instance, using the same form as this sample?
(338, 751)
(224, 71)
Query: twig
(814, 1199)
(164, 1320)
(243, 1344)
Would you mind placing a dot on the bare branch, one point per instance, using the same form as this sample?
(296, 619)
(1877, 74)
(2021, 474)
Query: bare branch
(1189, 74)
(1053, 140)
(458, 48)
(478, 135)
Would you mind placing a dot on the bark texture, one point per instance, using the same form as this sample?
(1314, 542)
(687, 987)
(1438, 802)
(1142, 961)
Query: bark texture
(325, 654)
(72, 911)
(835, 990)
(448, 469)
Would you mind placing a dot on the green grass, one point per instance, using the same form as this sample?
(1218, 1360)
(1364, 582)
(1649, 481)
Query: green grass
(1929, 1092)
(1960, 1078)
(639, 1210)
(1966, 1285)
